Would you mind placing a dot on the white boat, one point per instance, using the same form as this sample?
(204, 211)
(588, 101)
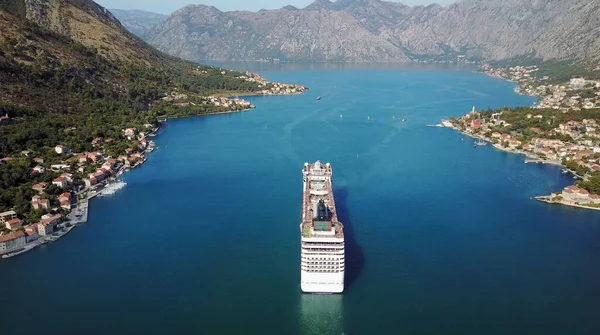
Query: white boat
(321, 234)
(447, 123)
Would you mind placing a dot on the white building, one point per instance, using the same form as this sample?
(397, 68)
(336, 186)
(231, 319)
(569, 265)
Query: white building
(7, 216)
(60, 182)
(61, 149)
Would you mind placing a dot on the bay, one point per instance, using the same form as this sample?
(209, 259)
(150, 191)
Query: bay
(441, 237)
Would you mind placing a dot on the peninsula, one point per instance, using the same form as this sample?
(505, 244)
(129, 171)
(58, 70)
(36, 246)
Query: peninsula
(561, 129)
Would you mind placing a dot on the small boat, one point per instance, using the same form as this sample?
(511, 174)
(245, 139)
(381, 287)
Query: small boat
(319, 97)
(403, 120)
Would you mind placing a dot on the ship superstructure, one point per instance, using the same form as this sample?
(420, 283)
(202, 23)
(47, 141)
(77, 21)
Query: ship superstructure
(322, 235)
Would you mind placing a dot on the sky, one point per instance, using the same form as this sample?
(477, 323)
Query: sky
(169, 6)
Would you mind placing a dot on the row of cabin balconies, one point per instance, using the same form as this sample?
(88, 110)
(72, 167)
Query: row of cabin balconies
(323, 253)
(312, 263)
(323, 270)
(324, 244)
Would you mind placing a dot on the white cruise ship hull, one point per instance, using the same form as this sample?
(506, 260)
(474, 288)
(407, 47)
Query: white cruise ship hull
(322, 239)
(322, 282)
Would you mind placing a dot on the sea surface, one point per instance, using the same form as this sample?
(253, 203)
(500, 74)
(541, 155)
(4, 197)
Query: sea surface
(441, 237)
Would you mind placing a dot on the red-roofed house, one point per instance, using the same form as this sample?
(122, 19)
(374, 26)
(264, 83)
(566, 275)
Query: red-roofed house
(64, 196)
(60, 182)
(38, 203)
(512, 143)
(97, 141)
(83, 158)
(548, 153)
(14, 224)
(576, 194)
(90, 181)
(39, 187)
(66, 204)
(47, 224)
(32, 233)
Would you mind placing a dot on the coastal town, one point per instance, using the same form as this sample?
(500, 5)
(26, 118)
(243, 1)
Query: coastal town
(562, 129)
(63, 182)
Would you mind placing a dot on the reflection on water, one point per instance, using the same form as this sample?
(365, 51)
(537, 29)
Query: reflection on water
(321, 314)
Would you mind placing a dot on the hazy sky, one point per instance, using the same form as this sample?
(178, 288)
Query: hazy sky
(168, 6)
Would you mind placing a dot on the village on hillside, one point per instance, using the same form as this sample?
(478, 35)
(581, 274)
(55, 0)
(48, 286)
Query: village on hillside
(62, 181)
(563, 129)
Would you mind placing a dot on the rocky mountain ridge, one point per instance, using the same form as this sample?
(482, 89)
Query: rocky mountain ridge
(375, 30)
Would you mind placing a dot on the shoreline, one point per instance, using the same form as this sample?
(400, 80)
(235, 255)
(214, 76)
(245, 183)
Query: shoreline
(547, 199)
(73, 220)
(532, 159)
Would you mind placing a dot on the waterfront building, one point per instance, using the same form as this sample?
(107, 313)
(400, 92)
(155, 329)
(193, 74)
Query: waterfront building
(31, 233)
(90, 182)
(322, 235)
(12, 242)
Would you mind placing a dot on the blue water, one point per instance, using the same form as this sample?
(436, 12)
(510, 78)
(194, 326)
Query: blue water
(442, 238)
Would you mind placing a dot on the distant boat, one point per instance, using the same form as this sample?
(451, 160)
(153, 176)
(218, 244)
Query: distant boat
(341, 116)
(368, 118)
(481, 142)
(319, 97)
(403, 120)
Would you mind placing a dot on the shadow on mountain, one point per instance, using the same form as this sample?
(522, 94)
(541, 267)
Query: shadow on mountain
(355, 259)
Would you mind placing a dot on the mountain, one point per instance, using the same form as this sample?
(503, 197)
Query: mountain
(202, 32)
(70, 64)
(138, 22)
(375, 30)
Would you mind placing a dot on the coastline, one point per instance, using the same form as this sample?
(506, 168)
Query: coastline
(533, 159)
(72, 219)
(548, 199)
(525, 86)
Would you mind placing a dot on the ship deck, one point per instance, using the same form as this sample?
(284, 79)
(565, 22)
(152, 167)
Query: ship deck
(318, 186)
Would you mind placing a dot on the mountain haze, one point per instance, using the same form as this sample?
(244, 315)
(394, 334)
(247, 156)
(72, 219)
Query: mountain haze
(374, 30)
(138, 22)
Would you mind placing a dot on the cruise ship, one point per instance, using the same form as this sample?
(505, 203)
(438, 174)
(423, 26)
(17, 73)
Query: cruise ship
(322, 235)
